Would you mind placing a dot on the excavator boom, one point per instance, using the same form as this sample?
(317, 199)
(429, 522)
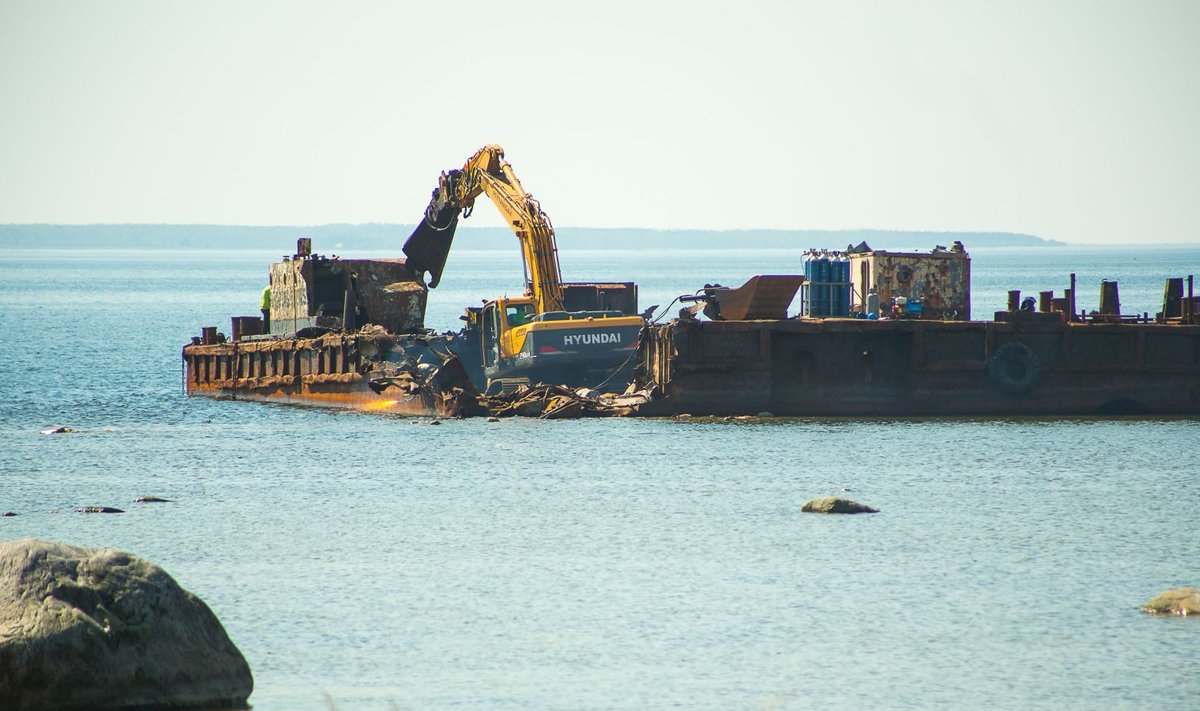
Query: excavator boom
(489, 174)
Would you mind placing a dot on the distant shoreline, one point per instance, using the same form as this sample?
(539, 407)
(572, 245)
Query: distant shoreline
(390, 237)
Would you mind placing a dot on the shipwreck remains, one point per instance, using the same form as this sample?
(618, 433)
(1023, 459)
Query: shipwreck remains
(371, 369)
(315, 292)
(339, 333)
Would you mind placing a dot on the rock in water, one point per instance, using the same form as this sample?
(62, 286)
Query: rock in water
(88, 628)
(1180, 601)
(97, 509)
(836, 504)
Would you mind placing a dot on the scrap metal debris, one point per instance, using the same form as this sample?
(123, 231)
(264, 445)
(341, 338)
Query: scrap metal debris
(552, 402)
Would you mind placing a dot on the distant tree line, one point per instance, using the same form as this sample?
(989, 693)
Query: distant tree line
(388, 238)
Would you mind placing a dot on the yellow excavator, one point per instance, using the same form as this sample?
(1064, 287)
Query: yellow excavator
(578, 334)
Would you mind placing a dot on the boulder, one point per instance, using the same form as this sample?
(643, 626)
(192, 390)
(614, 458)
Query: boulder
(87, 628)
(836, 505)
(1180, 601)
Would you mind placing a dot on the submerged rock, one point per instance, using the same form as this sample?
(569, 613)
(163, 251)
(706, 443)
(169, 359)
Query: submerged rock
(57, 430)
(97, 509)
(1180, 601)
(151, 500)
(100, 629)
(836, 504)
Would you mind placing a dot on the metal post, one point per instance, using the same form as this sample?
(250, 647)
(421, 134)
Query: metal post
(1014, 300)
(1110, 299)
(1071, 296)
(1191, 303)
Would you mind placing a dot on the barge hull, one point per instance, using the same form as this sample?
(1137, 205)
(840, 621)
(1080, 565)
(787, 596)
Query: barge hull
(856, 367)
(336, 370)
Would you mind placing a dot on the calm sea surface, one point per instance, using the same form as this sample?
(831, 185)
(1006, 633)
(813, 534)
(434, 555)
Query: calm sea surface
(623, 564)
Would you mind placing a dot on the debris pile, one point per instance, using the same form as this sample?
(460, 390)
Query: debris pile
(551, 402)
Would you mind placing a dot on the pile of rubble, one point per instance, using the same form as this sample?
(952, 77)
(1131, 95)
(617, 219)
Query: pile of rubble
(552, 402)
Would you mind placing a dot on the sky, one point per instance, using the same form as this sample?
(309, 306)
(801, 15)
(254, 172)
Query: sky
(1073, 121)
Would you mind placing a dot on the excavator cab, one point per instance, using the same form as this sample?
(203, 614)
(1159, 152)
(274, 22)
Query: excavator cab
(490, 339)
(505, 324)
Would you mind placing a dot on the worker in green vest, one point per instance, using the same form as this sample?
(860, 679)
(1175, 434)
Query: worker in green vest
(264, 304)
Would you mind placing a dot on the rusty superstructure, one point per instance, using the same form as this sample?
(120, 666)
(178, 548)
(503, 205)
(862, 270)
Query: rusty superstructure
(939, 280)
(340, 333)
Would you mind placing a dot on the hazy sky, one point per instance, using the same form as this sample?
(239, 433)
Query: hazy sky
(1077, 121)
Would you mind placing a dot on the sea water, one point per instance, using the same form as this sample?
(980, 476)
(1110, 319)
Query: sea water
(369, 562)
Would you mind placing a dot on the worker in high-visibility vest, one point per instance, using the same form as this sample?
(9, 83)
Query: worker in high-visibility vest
(264, 304)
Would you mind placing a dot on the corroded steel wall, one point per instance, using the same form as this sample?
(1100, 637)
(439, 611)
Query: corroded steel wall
(335, 370)
(311, 292)
(910, 367)
(388, 295)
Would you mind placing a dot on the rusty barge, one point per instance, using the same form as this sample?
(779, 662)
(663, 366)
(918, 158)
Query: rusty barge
(893, 338)
(854, 367)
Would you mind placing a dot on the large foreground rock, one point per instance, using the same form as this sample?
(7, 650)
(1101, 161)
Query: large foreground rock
(86, 628)
(1180, 601)
(836, 504)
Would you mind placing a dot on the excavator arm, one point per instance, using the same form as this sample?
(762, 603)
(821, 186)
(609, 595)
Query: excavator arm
(487, 173)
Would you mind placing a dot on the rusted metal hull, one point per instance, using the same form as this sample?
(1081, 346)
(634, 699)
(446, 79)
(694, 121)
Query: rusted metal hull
(348, 371)
(856, 367)
(340, 396)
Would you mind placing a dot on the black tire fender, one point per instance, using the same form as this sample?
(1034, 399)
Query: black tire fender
(1014, 368)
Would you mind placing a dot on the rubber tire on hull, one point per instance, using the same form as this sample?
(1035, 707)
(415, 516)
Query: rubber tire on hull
(1014, 368)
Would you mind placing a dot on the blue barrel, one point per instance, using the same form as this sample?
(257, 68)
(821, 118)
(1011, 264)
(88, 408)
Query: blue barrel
(808, 280)
(835, 288)
(843, 287)
(828, 283)
(810, 275)
(821, 274)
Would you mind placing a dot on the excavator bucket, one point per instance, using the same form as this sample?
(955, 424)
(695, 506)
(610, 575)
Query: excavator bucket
(766, 296)
(429, 244)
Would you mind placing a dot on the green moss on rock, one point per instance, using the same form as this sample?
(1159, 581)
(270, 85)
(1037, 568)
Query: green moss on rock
(1180, 601)
(838, 505)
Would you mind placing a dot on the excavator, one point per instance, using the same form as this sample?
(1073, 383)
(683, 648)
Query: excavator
(575, 334)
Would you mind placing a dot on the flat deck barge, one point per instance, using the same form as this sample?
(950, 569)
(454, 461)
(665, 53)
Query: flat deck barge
(856, 367)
